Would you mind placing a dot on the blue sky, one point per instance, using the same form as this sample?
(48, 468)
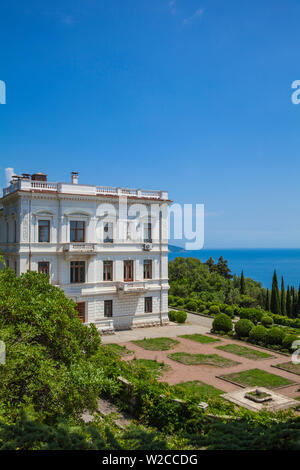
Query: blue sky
(187, 95)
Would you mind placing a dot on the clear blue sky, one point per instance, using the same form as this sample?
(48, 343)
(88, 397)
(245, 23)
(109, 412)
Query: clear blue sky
(190, 96)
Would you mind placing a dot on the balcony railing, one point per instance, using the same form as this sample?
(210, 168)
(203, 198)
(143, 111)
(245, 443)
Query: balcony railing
(131, 287)
(79, 247)
(69, 188)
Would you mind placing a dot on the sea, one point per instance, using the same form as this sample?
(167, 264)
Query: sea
(258, 264)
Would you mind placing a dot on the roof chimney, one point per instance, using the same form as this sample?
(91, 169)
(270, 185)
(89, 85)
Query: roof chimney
(74, 177)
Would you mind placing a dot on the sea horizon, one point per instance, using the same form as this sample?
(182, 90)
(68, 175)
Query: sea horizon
(257, 263)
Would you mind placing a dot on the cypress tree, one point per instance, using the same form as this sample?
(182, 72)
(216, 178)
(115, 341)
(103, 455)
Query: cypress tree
(288, 302)
(275, 297)
(243, 284)
(267, 304)
(298, 303)
(282, 298)
(294, 310)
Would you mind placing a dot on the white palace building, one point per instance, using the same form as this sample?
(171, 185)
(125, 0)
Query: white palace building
(106, 247)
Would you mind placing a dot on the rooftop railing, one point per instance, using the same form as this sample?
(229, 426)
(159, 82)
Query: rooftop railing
(29, 185)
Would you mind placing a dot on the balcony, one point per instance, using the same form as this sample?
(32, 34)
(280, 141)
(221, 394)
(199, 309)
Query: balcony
(82, 189)
(80, 248)
(134, 287)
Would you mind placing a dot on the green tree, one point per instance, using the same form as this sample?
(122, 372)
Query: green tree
(211, 264)
(288, 302)
(267, 302)
(275, 297)
(242, 284)
(282, 298)
(53, 361)
(223, 269)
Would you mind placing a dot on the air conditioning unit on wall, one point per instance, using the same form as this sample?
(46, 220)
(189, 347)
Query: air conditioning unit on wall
(147, 246)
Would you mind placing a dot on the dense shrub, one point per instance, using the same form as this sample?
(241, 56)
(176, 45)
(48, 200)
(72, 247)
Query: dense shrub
(180, 302)
(191, 305)
(222, 323)
(288, 341)
(258, 334)
(171, 300)
(243, 327)
(214, 309)
(251, 313)
(201, 307)
(229, 310)
(172, 315)
(180, 316)
(267, 321)
(275, 336)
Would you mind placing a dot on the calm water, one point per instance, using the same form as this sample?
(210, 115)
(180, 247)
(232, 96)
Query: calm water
(258, 264)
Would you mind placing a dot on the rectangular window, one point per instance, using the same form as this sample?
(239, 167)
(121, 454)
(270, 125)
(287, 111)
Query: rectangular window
(148, 304)
(15, 231)
(44, 267)
(107, 270)
(7, 232)
(77, 271)
(77, 231)
(147, 233)
(108, 311)
(44, 231)
(147, 269)
(108, 232)
(80, 307)
(128, 270)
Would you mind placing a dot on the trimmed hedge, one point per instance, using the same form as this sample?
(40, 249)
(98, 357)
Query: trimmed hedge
(222, 323)
(288, 341)
(251, 313)
(177, 316)
(243, 327)
(258, 334)
(228, 310)
(267, 321)
(214, 309)
(275, 336)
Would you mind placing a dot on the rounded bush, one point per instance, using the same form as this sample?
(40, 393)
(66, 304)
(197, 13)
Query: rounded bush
(222, 323)
(180, 316)
(243, 328)
(267, 321)
(228, 310)
(258, 334)
(275, 336)
(251, 313)
(180, 302)
(191, 305)
(288, 341)
(200, 307)
(214, 309)
(172, 315)
(171, 300)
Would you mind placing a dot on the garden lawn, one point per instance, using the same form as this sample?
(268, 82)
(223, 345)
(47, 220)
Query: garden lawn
(257, 378)
(205, 359)
(122, 350)
(244, 351)
(197, 389)
(156, 344)
(200, 338)
(157, 368)
(290, 367)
